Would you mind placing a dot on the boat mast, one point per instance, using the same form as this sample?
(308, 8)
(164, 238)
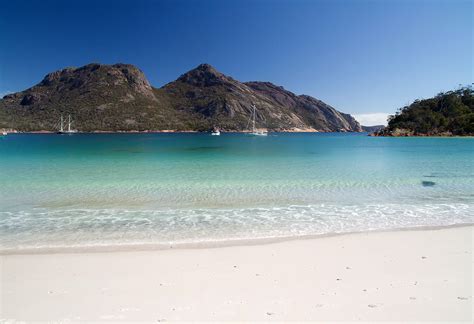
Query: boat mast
(61, 129)
(69, 124)
(253, 121)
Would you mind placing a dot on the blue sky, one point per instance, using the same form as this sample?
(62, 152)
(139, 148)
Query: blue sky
(362, 57)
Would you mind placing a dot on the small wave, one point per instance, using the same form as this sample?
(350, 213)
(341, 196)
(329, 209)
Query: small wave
(87, 228)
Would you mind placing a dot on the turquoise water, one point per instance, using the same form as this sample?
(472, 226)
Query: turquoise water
(96, 190)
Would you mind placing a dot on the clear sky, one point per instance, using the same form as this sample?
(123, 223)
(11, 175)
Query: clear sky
(362, 57)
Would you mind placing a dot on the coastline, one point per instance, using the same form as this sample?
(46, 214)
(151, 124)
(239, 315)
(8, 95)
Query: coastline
(173, 131)
(297, 130)
(421, 136)
(177, 132)
(378, 276)
(211, 244)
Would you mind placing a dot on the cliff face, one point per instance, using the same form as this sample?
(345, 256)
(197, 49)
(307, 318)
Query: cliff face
(306, 111)
(119, 97)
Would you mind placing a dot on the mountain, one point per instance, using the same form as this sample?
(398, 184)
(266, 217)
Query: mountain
(449, 113)
(371, 129)
(99, 97)
(119, 98)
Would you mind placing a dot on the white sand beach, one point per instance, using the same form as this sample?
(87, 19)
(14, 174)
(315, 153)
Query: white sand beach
(423, 275)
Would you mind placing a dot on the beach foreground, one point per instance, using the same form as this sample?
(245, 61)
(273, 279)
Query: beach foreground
(423, 275)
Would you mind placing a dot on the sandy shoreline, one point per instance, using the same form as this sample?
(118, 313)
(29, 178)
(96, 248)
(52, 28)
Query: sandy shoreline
(140, 247)
(416, 275)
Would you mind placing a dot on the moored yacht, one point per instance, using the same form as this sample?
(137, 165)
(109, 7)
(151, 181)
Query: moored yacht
(255, 131)
(69, 129)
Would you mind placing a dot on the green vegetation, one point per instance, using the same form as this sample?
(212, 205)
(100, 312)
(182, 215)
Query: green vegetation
(448, 113)
(119, 98)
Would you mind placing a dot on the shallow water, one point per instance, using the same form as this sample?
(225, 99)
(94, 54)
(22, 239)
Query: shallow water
(59, 191)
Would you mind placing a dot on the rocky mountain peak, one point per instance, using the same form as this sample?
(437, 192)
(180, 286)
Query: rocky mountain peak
(204, 75)
(206, 67)
(119, 97)
(96, 75)
(136, 78)
(55, 76)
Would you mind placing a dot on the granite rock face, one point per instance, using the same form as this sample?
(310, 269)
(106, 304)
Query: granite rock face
(120, 98)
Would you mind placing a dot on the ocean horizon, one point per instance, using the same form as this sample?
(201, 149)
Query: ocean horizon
(115, 191)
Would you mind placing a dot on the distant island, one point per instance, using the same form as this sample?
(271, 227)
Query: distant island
(447, 114)
(118, 97)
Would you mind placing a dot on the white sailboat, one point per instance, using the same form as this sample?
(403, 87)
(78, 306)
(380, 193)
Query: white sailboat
(256, 132)
(216, 132)
(61, 126)
(69, 129)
